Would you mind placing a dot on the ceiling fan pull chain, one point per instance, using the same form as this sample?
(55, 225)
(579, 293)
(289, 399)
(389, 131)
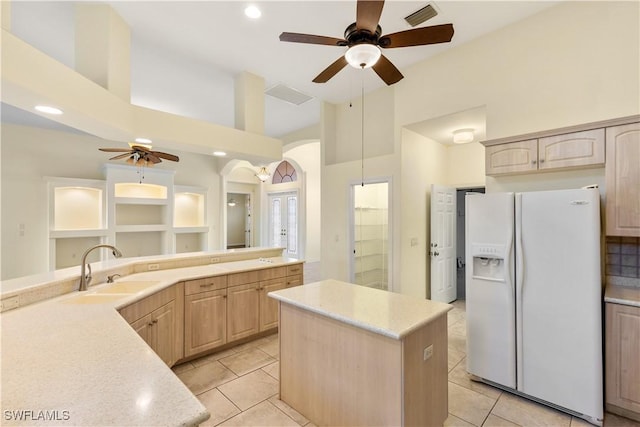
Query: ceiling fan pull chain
(362, 125)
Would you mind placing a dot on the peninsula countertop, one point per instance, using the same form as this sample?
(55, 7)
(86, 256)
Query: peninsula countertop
(386, 313)
(82, 364)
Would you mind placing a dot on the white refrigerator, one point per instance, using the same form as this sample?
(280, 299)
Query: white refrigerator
(533, 296)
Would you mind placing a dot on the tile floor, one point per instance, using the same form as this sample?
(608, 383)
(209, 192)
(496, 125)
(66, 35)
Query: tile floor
(239, 387)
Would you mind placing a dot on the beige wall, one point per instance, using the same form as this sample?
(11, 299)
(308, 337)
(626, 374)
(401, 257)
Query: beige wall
(575, 63)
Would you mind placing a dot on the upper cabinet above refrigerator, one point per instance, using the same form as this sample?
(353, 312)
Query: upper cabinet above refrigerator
(568, 150)
(623, 180)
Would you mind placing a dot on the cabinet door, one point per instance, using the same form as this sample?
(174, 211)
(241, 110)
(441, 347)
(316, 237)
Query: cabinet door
(205, 321)
(269, 306)
(622, 361)
(571, 150)
(143, 327)
(623, 180)
(514, 157)
(164, 332)
(243, 304)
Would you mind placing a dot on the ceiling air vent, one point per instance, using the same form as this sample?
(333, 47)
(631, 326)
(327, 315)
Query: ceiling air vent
(287, 94)
(422, 15)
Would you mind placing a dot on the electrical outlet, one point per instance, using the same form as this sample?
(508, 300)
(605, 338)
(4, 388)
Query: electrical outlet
(9, 303)
(427, 352)
(214, 260)
(153, 267)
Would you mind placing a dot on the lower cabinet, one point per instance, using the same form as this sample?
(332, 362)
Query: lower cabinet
(199, 315)
(269, 306)
(243, 302)
(622, 362)
(158, 319)
(205, 321)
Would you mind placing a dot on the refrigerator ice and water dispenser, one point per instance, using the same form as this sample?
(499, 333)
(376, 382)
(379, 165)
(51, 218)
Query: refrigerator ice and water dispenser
(488, 261)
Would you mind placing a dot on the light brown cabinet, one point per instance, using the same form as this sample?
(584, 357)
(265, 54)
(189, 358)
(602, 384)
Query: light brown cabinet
(569, 150)
(622, 362)
(512, 158)
(294, 275)
(243, 305)
(269, 306)
(199, 315)
(623, 180)
(158, 319)
(205, 314)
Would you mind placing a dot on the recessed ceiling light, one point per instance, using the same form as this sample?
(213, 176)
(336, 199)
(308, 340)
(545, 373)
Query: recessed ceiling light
(48, 110)
(144, 140)
(253, 12)
(219, 153)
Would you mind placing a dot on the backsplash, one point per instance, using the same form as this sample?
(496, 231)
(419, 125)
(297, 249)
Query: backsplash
(623, 259)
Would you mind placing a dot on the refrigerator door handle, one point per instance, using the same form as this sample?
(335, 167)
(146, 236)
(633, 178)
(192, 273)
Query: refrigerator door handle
(519, 290)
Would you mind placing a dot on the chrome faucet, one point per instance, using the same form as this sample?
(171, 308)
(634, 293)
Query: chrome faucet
(85, 279)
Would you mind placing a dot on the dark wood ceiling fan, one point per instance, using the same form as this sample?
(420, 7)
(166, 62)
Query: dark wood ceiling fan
(366, 30)
(140, 156)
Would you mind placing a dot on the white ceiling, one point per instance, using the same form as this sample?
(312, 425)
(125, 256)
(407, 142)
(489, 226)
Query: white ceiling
(185, 54)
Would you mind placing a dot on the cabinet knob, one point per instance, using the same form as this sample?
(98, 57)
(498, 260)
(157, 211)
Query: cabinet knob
(541, 160)
(154, 321)
(533, 162)
(224, 296)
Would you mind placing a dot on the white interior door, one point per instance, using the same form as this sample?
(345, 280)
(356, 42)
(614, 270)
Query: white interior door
(442, 249)
(284, 223)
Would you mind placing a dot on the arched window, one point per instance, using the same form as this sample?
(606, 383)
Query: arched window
(285, 172)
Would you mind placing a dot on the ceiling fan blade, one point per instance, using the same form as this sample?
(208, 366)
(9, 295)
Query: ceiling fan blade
(115, 150)
(331, 70)
(387, 71)
(368, 15)
(166, 156)
(121, 156)
(312, 39)
(153, 158)
(418, 36)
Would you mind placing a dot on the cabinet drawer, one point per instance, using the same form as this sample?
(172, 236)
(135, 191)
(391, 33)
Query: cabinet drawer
(273, 273)
(207, 284)
(294, 280)
(242, 278)
(294, 269)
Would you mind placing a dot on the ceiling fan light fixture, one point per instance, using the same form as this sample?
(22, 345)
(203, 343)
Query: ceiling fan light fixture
(263, 174)
(463, 136)
(231, 202)
(363, 55)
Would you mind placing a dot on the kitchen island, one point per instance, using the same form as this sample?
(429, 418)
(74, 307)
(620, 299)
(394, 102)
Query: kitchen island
(351, 355)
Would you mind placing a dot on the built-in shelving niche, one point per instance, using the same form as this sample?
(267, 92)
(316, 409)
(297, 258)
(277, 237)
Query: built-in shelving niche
(76, 219)
(147, 218)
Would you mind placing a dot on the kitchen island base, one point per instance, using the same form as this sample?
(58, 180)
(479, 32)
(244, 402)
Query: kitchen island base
(335, 373)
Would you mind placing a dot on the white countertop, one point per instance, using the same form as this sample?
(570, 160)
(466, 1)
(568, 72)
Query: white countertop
(386, 313)
(625, 295)
(85, 361)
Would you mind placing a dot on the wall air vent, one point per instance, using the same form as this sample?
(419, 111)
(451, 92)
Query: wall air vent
(288, 94)
(421, 15)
